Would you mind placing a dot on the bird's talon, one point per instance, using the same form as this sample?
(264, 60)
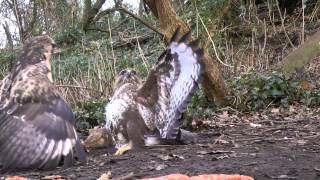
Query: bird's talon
(122, 150)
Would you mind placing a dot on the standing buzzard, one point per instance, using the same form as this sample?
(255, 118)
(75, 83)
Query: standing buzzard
(36, 124)
(155, 107)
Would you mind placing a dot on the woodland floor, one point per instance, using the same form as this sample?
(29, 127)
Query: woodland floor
(274, 144)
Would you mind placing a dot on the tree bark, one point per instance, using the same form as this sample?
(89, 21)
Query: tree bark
(18, 17)
(213, 84)
(8, 35)
(25, 27)
(89, 11)
(297, 59)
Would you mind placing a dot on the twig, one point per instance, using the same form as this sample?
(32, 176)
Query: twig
(114, 60)
(279, 122)
(282, 177)
(145, 62)
(133, 41)
(125, 10)
(277, 128)
(265, 37)
(126, 177)
(282, 25)
(213, 44)
(107, 31)
(303, 3)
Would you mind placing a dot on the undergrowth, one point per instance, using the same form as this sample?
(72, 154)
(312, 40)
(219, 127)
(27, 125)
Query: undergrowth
(257, 91)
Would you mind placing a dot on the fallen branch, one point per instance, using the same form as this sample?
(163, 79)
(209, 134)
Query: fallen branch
(133, 41)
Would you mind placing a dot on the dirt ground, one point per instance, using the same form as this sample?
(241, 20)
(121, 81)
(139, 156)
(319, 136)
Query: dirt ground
(267, 145)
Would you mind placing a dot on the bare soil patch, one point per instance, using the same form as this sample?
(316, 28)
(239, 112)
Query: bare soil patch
(269, 145)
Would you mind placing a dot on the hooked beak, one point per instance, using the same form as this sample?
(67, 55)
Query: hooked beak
(55, 49)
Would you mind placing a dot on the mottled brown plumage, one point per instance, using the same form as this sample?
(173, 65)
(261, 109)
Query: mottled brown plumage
(36, 124)
(154, 107)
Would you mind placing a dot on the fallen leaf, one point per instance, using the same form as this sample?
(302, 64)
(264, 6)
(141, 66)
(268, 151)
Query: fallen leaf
(275, 110)
(105, 176)
(301, 142)
(161, 166)
(221, 141)
(176, 156)
(164, 157)
(255, 125)
(224, 115)
(202, 152)
(291, 109)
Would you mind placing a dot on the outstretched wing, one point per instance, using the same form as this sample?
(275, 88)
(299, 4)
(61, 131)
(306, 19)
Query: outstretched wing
(171, 82)
(38, 135)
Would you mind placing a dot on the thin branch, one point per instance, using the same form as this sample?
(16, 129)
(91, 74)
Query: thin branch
(18, 18)
(30, 26)
(282, 25)
(125, 10)
(107, 31)
(212, 42)
(114, 59)
(303, 2)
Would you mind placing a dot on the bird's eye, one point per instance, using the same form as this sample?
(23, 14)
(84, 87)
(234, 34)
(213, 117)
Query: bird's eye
(122, 72)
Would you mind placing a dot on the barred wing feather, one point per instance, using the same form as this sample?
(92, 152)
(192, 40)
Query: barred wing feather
(171, 83)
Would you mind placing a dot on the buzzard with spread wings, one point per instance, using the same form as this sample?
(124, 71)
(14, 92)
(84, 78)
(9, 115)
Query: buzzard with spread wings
(155, 107)
(36, 124)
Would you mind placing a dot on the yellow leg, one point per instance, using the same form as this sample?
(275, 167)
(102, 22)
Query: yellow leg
(124, 149)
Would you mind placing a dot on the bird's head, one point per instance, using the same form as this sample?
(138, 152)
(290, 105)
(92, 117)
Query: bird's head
(127, 76)
(38, 49)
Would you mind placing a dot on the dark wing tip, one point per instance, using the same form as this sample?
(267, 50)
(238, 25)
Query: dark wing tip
(194, 45)
(175, 34)
(162, 56)
(185, 37)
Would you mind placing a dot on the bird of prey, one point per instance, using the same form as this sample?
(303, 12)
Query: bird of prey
(154, 107)
(36, 124)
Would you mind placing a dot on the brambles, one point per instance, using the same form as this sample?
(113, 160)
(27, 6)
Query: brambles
(257, 91)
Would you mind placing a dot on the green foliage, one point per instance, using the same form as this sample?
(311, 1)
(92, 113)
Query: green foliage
(90, 113)
(311, 97)
(7, 59)
(255, 91)
(70, 36)
(200, 106)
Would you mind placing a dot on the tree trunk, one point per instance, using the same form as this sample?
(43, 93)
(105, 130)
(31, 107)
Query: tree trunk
(141, 4)
(89, 11)
(8, 35)
(25, 27)
(213, 83)
(18, 17)
(297, 59)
